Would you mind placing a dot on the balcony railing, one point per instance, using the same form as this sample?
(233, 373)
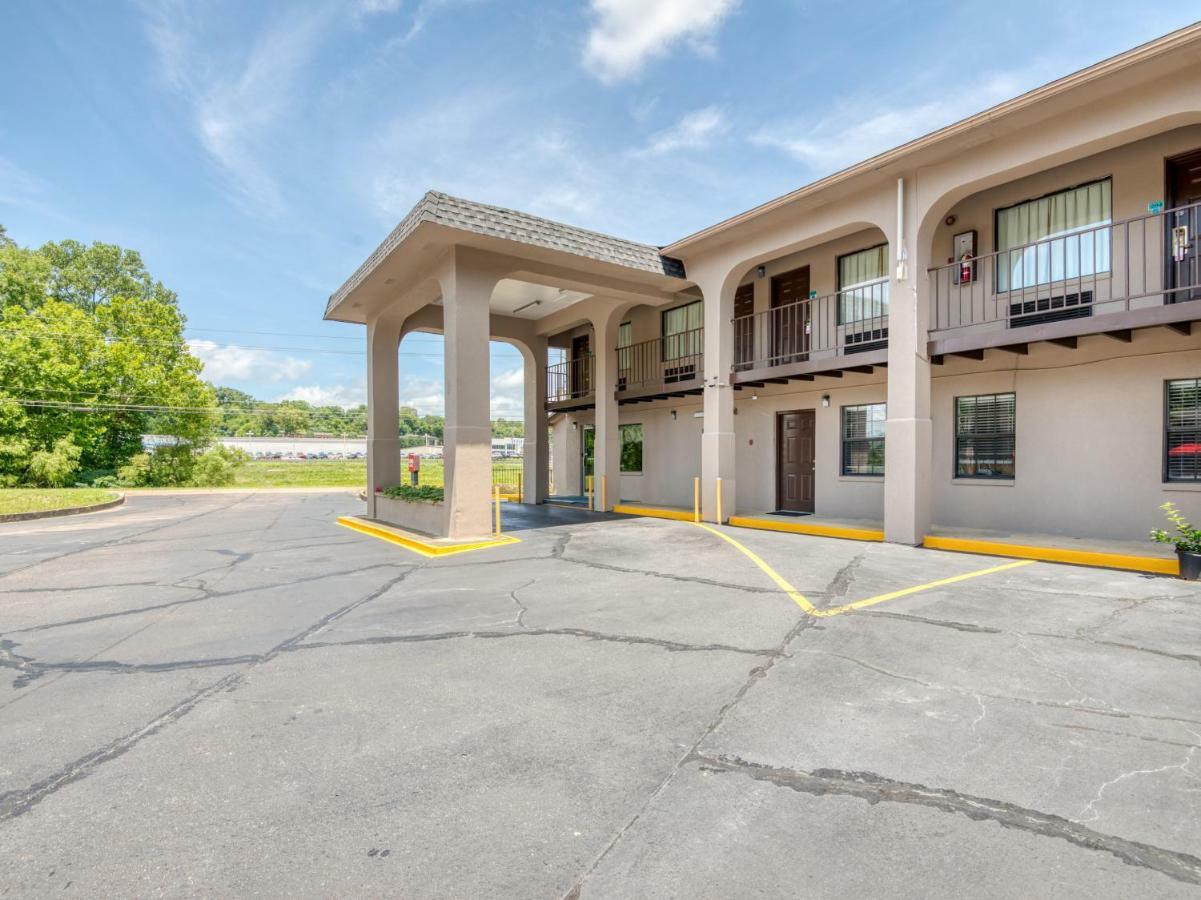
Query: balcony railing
(571, 379)
(1134, 263)
(854, 320)
(661, 362)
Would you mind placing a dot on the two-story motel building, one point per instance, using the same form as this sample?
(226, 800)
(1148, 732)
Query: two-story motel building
(990, 327)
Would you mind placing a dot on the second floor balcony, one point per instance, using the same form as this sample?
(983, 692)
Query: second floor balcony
(661, 367)
(814, 334)
(1105, 279)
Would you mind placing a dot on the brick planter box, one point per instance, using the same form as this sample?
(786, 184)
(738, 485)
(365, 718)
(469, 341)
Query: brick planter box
(425, 516)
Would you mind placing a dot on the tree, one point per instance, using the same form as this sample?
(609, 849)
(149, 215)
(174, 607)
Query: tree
(89, 345)
(5, 240)
(88, 277)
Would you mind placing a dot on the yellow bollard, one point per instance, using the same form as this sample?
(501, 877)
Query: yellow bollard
(520, 492)
(604, 493)
(719, 518)
(696, 499)
(589, 490)
(496, 503)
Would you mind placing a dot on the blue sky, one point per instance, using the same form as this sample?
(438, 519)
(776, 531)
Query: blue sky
(255, 153)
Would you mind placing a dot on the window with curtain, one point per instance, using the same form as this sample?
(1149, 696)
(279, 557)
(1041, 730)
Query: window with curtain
(863, 285)
(625, 337)
(631, 448)
(1055, 238)
(1182, 438)
(863, 439)
(682, 331)
(985, 436)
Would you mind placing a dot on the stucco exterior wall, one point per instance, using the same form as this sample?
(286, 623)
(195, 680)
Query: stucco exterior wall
(1089, 443)
(860, 497)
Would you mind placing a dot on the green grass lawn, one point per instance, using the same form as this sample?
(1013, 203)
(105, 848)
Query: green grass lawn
(23, 500)
(350, 473)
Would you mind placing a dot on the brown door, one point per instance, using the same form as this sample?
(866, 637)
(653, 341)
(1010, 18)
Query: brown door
(744, 332)
(790, 317)
(581, 372)
(794, 461)
(1180, 227)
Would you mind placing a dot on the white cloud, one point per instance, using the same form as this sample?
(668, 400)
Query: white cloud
(858, 128)
(627, 34)
(694, 131)
(223, 363)
(508, 394)
(237, 96)
(423, 394)
(342, 395)
(371, 7)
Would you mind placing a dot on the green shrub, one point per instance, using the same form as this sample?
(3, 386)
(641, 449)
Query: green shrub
(106, 481)
(136, 472)
(14, 460)
(54, 467)
(215, 467)
(1184, 537)
(426, 492)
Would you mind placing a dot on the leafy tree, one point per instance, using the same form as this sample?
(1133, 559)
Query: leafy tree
(54, 467)
(5, 240)
(91, 276)
(89, 345)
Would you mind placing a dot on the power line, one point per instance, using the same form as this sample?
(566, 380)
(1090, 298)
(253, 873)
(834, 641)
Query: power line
(150, 342)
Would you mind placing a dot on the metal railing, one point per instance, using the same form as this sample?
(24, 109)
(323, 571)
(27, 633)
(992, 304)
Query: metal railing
(854, 320)
(664, 361)
(1139, 262)
(570, 379)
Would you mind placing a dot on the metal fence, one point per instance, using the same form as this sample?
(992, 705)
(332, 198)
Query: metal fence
(570, 379)
(661, 361)
(1113, 267)
(850, 321)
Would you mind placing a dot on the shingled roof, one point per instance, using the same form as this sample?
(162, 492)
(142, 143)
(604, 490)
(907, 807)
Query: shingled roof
(511, 225)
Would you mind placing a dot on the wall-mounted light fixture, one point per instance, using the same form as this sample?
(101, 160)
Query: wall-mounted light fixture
(674, 415)
(825, 399)
(760, 271)
(575, 426)
(754, 396)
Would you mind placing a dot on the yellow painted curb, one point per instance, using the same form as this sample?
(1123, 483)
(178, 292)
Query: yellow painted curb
(412, 542)
(1092, 558)
(654, 512)
(813, 529)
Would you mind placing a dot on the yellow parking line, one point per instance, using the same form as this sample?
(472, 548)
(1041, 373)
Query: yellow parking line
(812, 610)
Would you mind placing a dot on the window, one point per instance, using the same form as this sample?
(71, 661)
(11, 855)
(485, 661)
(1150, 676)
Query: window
(985, 429)
(682, 331)
(863, 439)
(1182, 422)
(631, 448)
(1054, 238)
(863, 285)
(625, 337)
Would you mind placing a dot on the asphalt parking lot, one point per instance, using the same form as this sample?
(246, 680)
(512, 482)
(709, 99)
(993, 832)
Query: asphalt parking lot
(229, 694)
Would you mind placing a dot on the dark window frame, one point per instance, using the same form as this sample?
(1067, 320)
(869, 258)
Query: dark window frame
(838, 286)
(663, 329)
(956, 474)
(1168, 431)
(621, 430)
(867, 442)
(996, 234)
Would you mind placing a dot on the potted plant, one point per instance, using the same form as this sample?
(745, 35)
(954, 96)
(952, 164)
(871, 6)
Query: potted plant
(1187, 540)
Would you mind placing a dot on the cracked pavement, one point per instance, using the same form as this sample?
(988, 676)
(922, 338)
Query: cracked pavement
(227, 694)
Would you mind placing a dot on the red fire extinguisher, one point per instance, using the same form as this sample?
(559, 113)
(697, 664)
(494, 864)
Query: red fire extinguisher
(965, 269)
(414, 468)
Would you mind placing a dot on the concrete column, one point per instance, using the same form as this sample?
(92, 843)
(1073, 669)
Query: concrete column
(718, 440)
(907, 446)
(608, 435)
(536, 453)
(383, 404)
(466, 291)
